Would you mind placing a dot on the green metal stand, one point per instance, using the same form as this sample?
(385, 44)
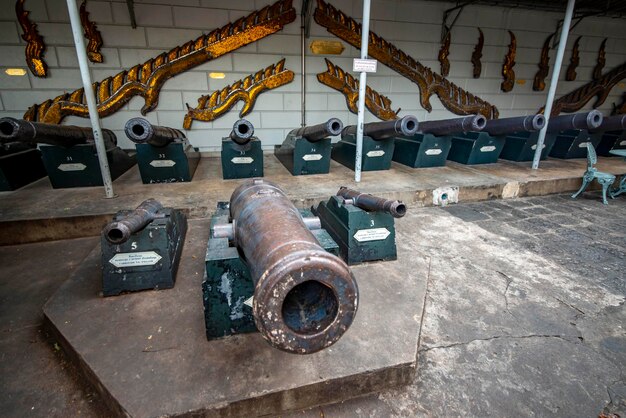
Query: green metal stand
(376, 154)
(20, 168)
(242, 161)
(476, 148)
(361, 235)
(301, 156)
(422, 150)
(611, 140)
(78, 166)
(149, 259)
(573, 143)
(175, 162)
(521, 146)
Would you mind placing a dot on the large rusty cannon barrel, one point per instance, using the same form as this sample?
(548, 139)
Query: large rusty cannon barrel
(242, 132)
(612, 123)
(451, 126)
(19, 130)
(305, 298)
(140, 131)
(369, 202)
(590, 120)
(516, 124)
(406, 126)
(331, 127)
(118, 232)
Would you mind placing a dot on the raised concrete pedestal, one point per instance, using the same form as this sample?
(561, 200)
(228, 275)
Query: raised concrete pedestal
(147, 352)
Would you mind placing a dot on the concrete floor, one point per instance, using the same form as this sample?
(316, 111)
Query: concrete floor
(524, 316)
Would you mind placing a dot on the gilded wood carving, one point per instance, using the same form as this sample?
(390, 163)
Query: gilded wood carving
(92, 34)
(597, 70)
(570, 74)
(211, 107)
(343, 82)
(478, 54)
(620, 108)
(35, 46)
(539, 84)
(443, 55)
(454, 98)
(507, 67)
(576, 99)
(146, 79)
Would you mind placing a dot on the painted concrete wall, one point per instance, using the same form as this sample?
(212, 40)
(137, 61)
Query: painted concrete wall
(413, 26)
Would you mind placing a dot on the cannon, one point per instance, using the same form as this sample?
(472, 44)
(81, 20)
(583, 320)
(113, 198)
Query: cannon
(242, 132)
(305, 298)
(505, 126)
(589, 121)
(242, 155)
(612, 123)
(119, 231)
(405, 126)
(572, 133)
(140, 131)
(366, 201)
(307, 150)
(612, 135)
(452, 126)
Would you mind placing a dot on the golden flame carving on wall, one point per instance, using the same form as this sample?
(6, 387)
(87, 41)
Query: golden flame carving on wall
(146, 79)
(507, 66)
(338, 79)
(35, 46)
(454, 98)
(444, 52)
(539, 83)
(478, 54)
(570, 74)
(601, 61)
(211, 107)
(92, 34)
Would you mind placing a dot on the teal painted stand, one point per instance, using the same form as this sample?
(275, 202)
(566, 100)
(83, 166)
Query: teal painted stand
(573, 143)
(242, 161)
(611, 140)
(422, 150)
(361, 235)
(301, 156)
(227, 289)
(376, 154)
(521, 146)
(604, 179)
(621, 187)
(20, 168)
(175, 162)
(149, 259)
(78, 166)
(476, 148)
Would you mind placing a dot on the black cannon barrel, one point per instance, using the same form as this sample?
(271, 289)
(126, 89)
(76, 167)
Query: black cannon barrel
(516, 124)
(19, 130)
(612, 123)
(314, 133)
(405, 126)
(590, 120)
(366, 201)
(451, 126)
(140, 131)
(305, 298)
(118, 232)
(242, 132)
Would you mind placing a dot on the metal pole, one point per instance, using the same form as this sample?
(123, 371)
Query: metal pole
(365, 31)
(302, 52)
(554, 80)
(91, 98)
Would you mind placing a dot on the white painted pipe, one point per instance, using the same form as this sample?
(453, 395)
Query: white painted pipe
(81, 53)
(365, 31)
(569, 11)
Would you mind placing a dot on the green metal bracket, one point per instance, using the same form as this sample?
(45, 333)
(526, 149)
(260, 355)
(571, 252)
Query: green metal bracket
(301, 156)
(476, 148)
(573, 143)
(422, 150)
(376, 154)
(242, 161)
(175, 162)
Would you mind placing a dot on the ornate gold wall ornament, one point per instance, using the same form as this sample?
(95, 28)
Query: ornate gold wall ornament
(539, 84)
(92, 34)
(478, 54)
(211, 107)
(597, 70)
(454, 98)
(35, 46)
(507, 66)
(570, 74)
(320, 47)
(443, 55)
(343, 82)
(146, 79)
(576, 99)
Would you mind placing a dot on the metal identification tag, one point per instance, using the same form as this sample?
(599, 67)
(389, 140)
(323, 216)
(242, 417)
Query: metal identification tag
(360, 65)
(312, 157)
(433, 151)
(488, 148)
(242, 160)
(162, 163)
(72, 167)
(141, 258)
(378, 153)
(373, 234)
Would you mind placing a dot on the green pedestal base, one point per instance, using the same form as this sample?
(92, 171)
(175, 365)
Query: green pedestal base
(422, 150)
(175, 162)
(301, 157)
(475, 148)
(20, 168)
(242, 161)
(573, 143)
(611, 140)
(521, 146)
(376, 154)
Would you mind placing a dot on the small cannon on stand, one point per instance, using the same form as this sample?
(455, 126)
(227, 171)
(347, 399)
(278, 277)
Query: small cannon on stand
(242, 156)
(573, 132)
(613, 135)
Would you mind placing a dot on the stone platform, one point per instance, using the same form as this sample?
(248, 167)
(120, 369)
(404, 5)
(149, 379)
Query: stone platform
(147, 355)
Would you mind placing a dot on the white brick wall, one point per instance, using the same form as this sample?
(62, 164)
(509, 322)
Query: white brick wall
(412, 25)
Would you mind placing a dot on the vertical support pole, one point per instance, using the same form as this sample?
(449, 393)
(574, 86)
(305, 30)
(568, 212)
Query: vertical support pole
(554, 80)
(365, 34)
(303, 63)
(81, 53)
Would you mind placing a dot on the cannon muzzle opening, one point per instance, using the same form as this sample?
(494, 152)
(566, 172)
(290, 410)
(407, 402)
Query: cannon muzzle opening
(310, 307)
(538, 122)
(8, 129)
(117, 233)
(314, 133)
(138, 130)
(397, 209)
(242, 132)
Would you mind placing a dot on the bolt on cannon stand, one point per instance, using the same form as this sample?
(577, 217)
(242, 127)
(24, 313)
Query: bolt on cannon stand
(242, 155)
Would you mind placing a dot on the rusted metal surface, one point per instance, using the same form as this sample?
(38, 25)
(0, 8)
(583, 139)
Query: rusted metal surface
(315, 133)
(444, 51)
(570, 74)
(507, 67)
(539, 83)
(118, 232)
(92, 34)
(305, 298)
(140, 131)
(601, 61)
(589, 120)
(35, 46)
(450, 126)
(405, 126)
(20, 130)
(478, 54)
(242, 132)
(517, 124)
(369, 202)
